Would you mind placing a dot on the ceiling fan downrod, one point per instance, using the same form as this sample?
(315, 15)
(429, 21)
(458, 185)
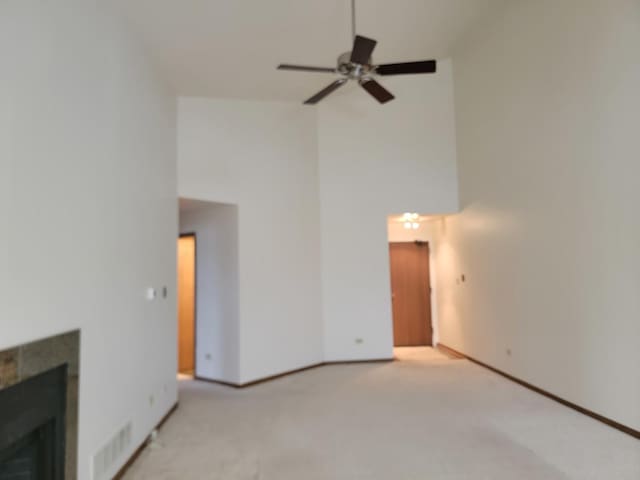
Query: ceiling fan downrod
(353, 20)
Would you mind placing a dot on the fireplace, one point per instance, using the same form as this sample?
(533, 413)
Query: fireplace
(32, 431)
(39, 409)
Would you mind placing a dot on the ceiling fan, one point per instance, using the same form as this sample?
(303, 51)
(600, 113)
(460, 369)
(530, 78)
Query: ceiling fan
(357, 65)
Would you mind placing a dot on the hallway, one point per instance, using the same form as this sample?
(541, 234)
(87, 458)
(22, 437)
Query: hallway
(423, 416)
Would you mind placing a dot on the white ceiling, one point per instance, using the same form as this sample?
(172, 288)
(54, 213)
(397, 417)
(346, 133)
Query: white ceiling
(230, 48)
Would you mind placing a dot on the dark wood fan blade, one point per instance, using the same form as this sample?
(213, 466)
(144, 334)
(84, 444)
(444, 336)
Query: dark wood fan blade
(303, 68)
(325, 91)
(377, 91)
(427, 66)
(362, 50)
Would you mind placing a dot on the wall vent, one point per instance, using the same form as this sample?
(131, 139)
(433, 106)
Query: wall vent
(110, 453)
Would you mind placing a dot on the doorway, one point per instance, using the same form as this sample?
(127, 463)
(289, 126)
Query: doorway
(186, 303)
(411, 294)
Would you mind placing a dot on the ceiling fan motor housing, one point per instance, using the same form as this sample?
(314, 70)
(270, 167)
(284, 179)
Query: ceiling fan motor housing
(351, 70)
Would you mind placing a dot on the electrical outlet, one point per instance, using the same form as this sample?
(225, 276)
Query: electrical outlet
(152, 400)
(508, 352)
(207, 356)
(359, 341)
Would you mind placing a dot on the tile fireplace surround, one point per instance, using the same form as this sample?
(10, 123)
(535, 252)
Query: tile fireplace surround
(23, 362)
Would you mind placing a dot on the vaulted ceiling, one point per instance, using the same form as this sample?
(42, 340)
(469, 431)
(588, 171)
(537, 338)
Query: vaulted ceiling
(230, 48)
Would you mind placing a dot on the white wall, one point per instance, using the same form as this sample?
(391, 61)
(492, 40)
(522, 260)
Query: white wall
(373, 161)
(87, 175)
(547, 111)
(397, 233)
(262, 157)
(377, 160)
(217, 323)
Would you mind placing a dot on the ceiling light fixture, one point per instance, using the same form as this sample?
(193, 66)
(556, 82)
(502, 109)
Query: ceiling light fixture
(411, 221)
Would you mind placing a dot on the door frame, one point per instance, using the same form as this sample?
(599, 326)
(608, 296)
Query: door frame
(432, 288)
(195, 298)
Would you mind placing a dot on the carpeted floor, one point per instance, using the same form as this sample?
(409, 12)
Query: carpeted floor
(423, 417)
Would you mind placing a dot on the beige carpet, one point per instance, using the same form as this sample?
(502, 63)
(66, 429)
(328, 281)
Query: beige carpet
(424, 417)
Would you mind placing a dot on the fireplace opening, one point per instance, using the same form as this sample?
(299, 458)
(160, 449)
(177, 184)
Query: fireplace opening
(32, 427)
(28, 456)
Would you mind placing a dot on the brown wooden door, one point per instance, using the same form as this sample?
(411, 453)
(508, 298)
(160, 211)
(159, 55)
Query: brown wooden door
(411, 294)
(186, 303)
